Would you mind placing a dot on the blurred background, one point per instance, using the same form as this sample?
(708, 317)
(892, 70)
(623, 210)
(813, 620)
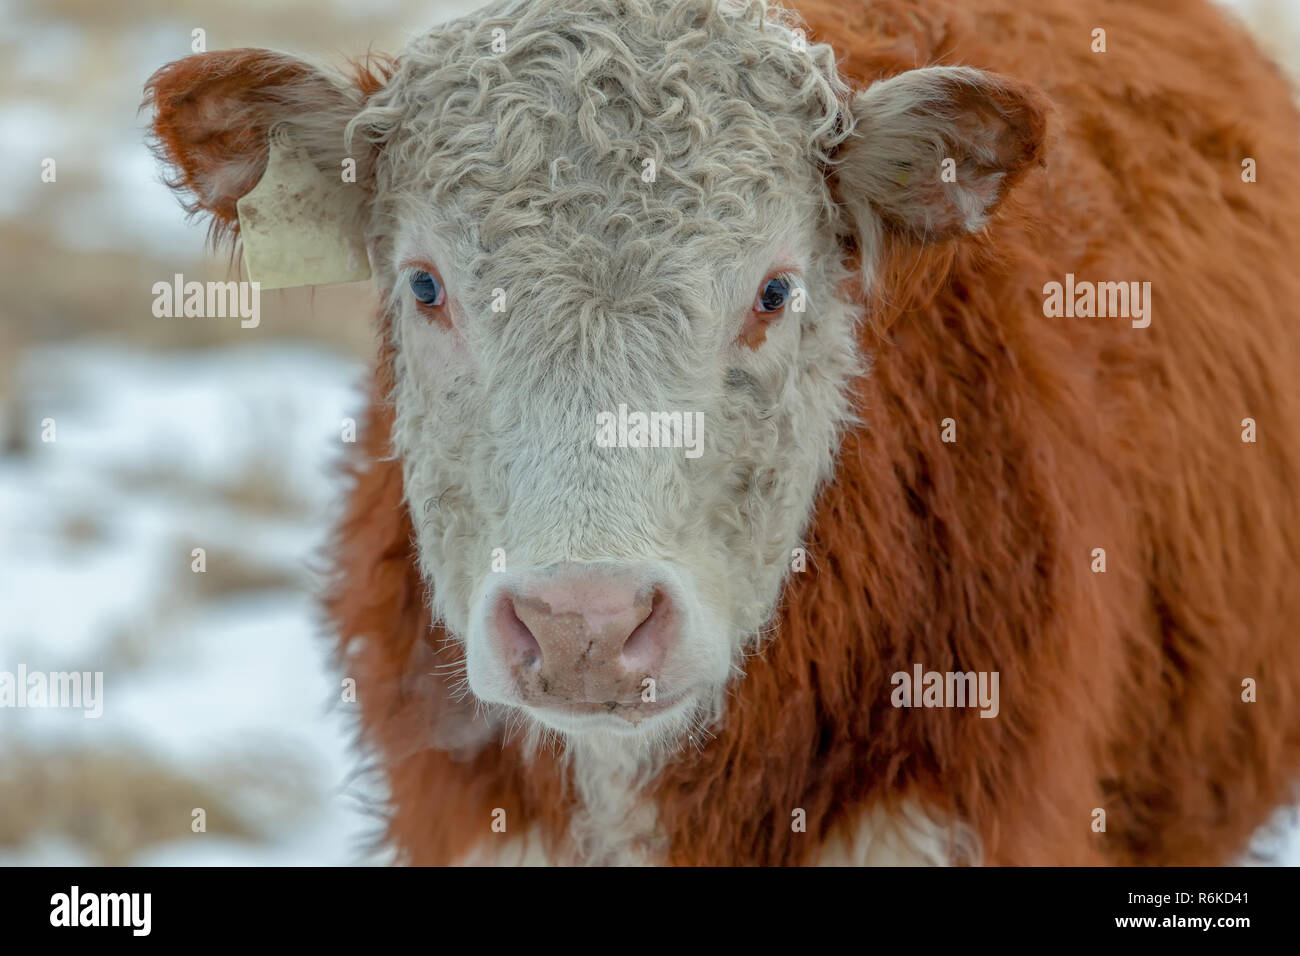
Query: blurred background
(176, 434)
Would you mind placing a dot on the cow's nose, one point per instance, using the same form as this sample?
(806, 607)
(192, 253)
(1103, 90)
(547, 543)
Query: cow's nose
(586, 638)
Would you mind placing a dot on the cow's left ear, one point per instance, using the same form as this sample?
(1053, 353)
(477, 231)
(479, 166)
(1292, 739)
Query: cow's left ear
(933, 151)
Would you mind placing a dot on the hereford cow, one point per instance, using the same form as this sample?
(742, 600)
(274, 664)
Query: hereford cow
(860, 435)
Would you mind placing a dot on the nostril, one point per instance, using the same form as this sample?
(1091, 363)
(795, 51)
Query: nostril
(584, 637)
(646, 646)
(517, 641)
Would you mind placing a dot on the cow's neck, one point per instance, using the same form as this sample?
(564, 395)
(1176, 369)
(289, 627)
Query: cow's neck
(614, 822)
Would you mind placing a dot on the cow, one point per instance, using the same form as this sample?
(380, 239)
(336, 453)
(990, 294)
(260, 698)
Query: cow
(860, 434)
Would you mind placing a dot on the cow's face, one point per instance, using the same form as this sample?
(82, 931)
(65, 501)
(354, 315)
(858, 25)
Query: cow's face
(609, 224)
(611, 260)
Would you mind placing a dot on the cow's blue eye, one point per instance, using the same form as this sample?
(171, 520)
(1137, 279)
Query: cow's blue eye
(427, 289)
(774, 295)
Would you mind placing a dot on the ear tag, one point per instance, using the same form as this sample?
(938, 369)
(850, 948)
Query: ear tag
(298, 226)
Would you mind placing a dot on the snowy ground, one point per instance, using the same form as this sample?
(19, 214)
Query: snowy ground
(214, 677)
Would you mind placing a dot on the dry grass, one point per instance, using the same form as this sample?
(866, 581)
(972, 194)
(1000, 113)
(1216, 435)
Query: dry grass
(259, 489)
(114, 804)
(228, 573)
(111, 298)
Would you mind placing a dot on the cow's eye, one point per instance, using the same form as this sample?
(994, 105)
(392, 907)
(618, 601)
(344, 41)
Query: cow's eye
(774, 295)
(428, 289)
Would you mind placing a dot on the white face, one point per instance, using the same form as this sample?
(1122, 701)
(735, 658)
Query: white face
(547, 287)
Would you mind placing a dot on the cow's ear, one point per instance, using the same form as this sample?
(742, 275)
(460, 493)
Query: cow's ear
(213, 115)
(933, 151)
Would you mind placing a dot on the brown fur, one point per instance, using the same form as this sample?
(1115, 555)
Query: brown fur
(1121, 690)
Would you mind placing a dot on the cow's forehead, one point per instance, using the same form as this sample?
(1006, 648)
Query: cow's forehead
(609, 121)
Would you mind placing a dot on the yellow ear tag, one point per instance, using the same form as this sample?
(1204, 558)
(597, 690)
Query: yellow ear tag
(298, 226)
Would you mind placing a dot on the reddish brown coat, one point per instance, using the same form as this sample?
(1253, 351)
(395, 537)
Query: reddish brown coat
(1120, 691)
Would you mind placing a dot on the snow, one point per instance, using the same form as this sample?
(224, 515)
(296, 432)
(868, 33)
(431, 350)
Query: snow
(221, 674)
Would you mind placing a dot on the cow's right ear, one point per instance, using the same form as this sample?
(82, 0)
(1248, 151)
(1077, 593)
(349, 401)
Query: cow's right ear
(213, 115)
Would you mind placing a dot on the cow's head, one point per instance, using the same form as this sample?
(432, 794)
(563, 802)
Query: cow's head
(598, 225)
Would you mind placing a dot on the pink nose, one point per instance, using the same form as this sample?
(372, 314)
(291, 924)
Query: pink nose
(587, 638)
